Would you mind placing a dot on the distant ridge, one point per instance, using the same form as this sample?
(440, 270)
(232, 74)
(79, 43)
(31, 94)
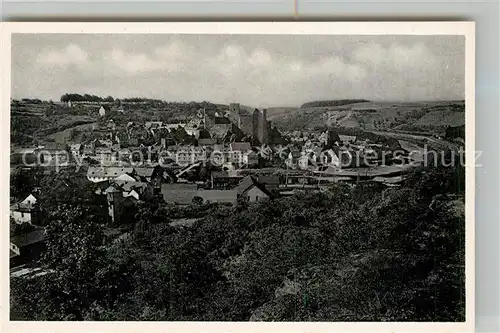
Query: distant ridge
(336, 102)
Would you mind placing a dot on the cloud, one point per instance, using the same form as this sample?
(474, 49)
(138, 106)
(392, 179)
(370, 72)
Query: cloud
(170, 57)
(253, 70)
(394, 56)
(132, 62)
(72, 54)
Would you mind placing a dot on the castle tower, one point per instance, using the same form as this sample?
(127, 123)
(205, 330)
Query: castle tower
(263, 130)
(255, 124)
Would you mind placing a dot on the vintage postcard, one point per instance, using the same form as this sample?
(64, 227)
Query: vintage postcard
(297, 177)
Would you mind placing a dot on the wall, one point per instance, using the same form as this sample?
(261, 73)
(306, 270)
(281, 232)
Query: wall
(21, 217)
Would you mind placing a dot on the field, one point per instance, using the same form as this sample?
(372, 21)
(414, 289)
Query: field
(65, 135)
(37, 123)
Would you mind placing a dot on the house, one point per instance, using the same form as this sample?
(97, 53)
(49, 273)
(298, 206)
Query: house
(105, 143)
(240, 147)
(115, 147)
(101, 187)
(53, 154)
(347, 138)
(26, 211)
(118, 204)
(102, 111)
(125, 154)
(251, 190)
(242, 153)
(143, 191)
(145, 173)
(153, 125)
(185, 155)
(76, 150)
(224, 180)
(193, 128)
(121, 109)
(330, 157)
(293, 157)
(101, 173)
(27, 247)
(265, 151)
(89, 149)
(104, 154)
(304, 161)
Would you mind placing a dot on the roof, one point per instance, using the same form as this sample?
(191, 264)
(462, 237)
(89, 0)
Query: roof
(132, 194)
(30, 199)
(144, 172)
(112, 189)
(108, 172)
(390, 180)
(248, 182)
(149, 124)
(128, 186)
(28, 272)
(219, 130)
(76, 146)
(32, 237)
(27, 205)
(126, 177)
(102, 186)
(221, 120)
(55, 146)
(240, 146)
(206, 142)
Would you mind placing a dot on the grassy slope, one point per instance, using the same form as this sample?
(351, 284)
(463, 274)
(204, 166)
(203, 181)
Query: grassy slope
(385, 115)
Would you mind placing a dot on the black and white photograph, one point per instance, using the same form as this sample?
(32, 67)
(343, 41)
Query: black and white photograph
(199, 176)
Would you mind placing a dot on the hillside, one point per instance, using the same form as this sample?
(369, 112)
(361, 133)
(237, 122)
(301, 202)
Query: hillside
(425, 116)
(281, 112)
(337, 102)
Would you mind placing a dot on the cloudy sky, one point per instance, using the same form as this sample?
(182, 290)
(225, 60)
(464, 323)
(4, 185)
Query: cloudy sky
(255, 70)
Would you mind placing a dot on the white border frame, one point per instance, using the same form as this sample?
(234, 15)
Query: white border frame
(466, 29)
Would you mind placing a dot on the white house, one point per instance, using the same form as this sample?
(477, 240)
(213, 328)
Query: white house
(26, 211)
(76, 150)
(99, 174)
(102, 111)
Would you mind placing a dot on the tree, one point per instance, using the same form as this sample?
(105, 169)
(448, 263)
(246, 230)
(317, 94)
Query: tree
(197, 201)
(389, 255)
(74, 252)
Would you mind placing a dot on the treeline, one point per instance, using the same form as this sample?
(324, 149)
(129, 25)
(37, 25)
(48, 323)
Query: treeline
(336, 102)
(85, 98)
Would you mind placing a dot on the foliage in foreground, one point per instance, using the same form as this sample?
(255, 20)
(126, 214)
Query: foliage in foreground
(333, 256)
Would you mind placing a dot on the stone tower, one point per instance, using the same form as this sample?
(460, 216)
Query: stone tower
(260, 126)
